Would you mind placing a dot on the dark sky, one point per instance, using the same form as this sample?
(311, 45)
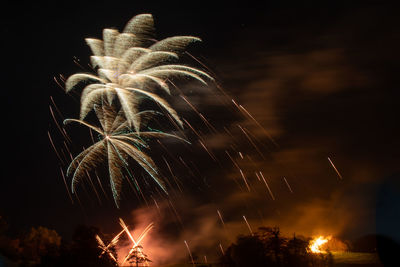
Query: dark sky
(321, 79)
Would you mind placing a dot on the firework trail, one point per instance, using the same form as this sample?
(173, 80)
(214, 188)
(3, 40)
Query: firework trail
(240, 107)
(251, 141)
(208, 151)
(245, 180)
(248, 225)
(192, 128)
(222, 250)
(176, 180)
(106, 249)
(233, 161)
(136, 243)
(55, 150)
(190, 253)
(220, 217)
(288, 185)
(58, 83)
(266, 184)
(336, 170)
(101, 185)
(66, 186)
(62, 131)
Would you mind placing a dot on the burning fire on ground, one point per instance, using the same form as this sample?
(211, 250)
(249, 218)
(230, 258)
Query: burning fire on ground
(317, 244)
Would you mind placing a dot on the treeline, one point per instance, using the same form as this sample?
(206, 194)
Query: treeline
(43, 247)
(268, 247)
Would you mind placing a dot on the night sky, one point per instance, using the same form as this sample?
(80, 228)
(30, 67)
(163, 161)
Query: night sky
(322, 80)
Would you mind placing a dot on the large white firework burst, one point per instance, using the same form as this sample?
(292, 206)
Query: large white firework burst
(131, 65)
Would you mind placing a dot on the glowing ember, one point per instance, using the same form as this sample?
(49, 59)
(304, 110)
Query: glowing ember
(317, 243)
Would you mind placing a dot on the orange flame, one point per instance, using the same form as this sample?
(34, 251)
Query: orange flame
(316, 244)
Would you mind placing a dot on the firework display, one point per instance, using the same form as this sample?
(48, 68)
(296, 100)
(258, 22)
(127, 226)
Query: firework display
(127, 102)
(128, 70)
(136, 251)
(131, 67)
(254, 134)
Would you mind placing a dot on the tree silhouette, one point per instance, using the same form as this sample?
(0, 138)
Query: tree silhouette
(247, 251)
(274, 244)
(41, 243)
(83, 250)
(137, 256)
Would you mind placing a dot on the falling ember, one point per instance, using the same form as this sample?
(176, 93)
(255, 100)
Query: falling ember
(208, 124)
(208, 151)
(336, 170)
(52, 144)
(248, 225)
(288, 185)
(54, 118)
(258, 177)
(66, 187)
(220, 217)
(55, 79)
(244, 179)
(222, 250)
(259, 125)
(316, 244)
(266, 184)
(190, 253)
(251, 141)
(237, 166)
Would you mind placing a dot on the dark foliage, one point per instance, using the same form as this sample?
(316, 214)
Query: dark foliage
(268, 248)
(83, 251)
(42, 247)
(388, 251)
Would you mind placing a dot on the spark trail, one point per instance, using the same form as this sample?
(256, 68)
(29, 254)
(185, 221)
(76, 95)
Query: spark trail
(220, 217)
(240, 107)
(248, 225)
(266, 184)
(245, 180)
(66, 186)
(190, 253)
(336, 170)
(288, 185)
